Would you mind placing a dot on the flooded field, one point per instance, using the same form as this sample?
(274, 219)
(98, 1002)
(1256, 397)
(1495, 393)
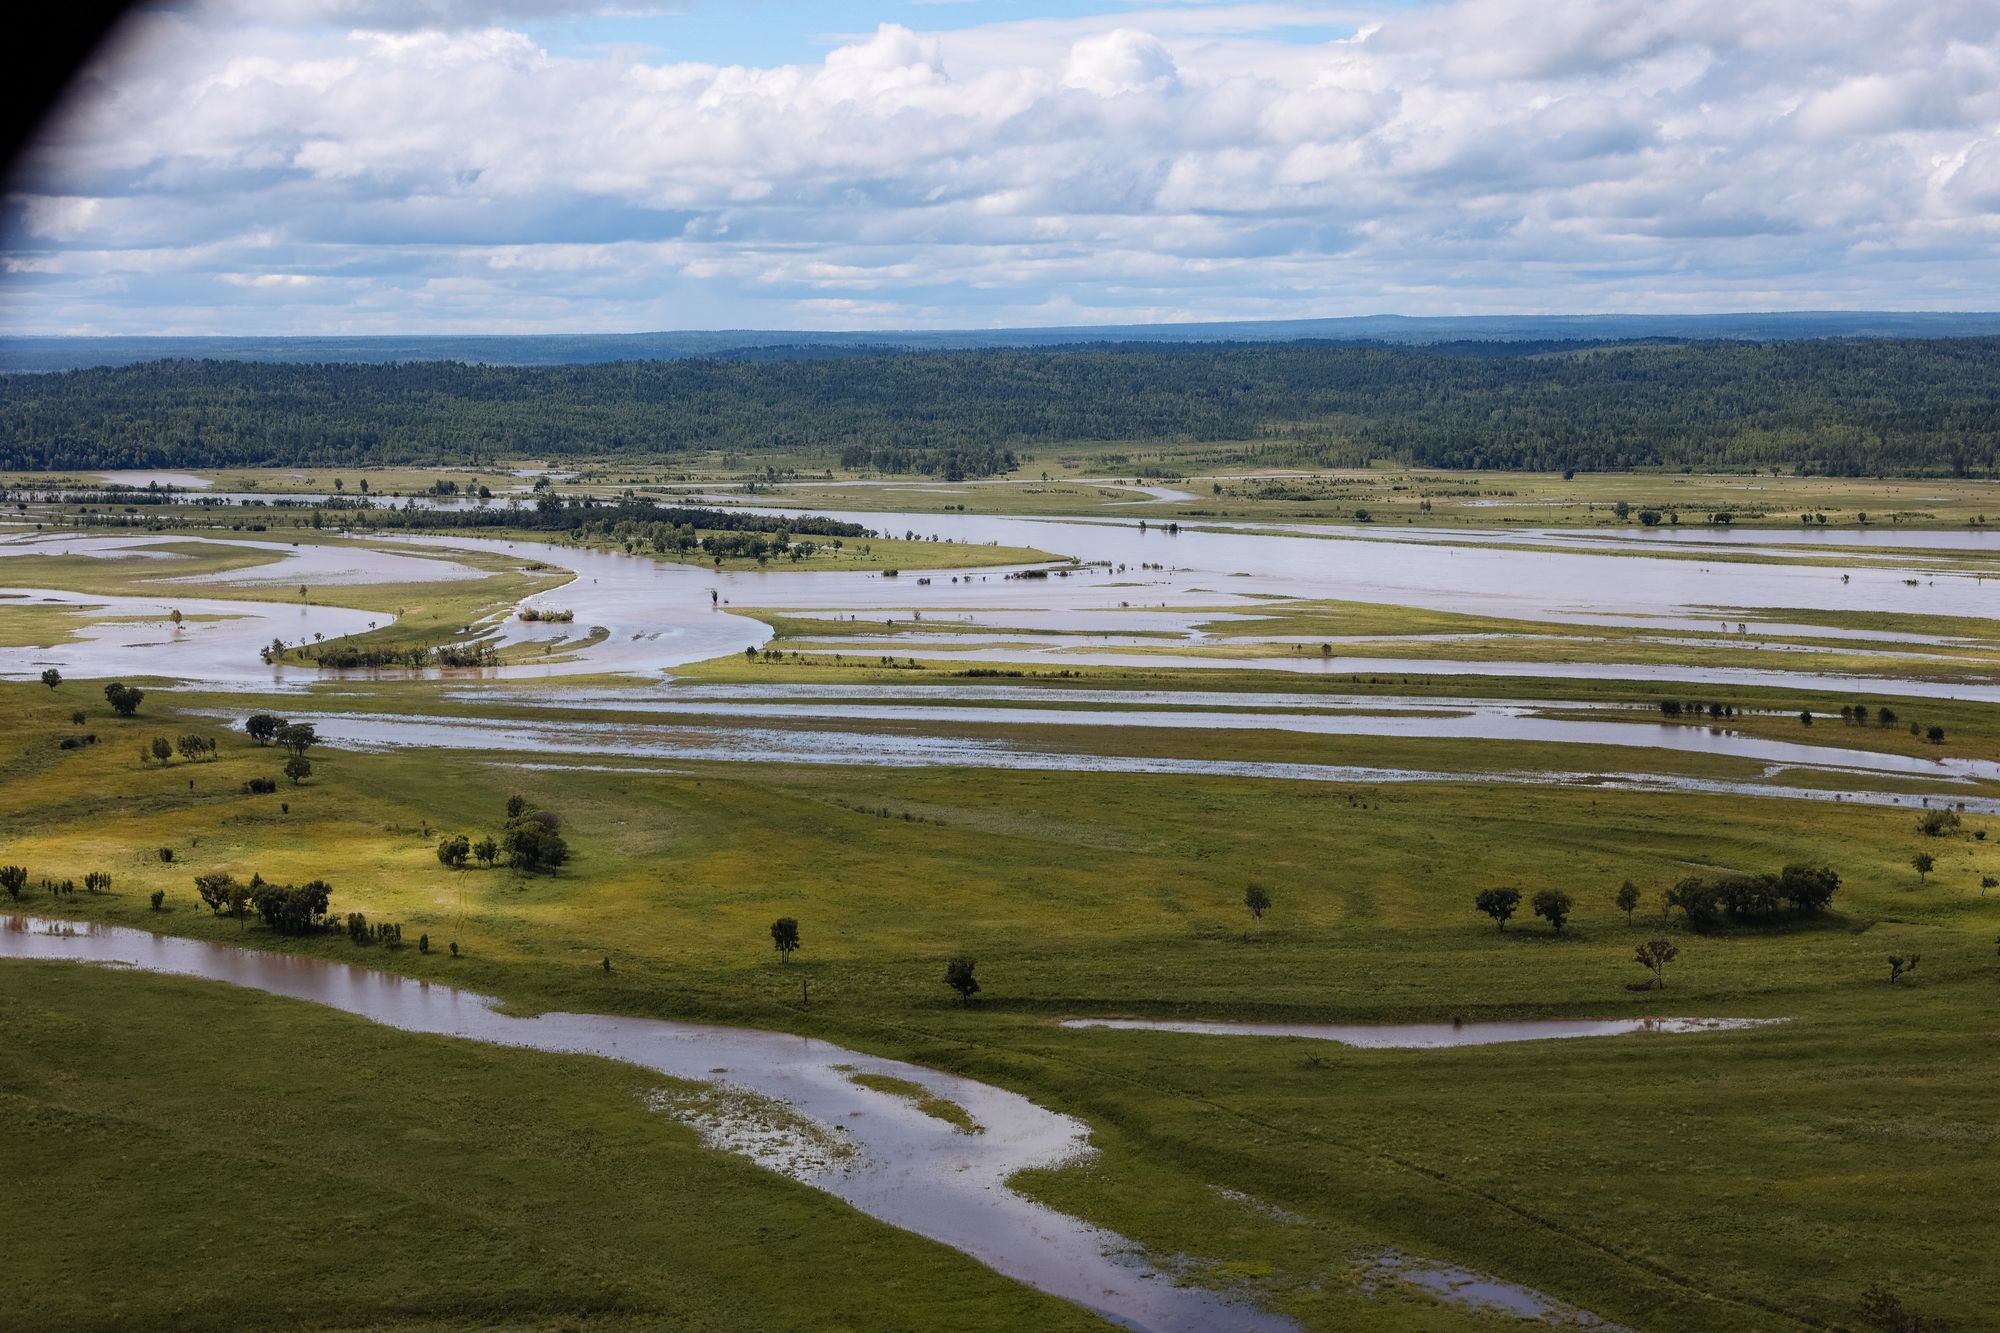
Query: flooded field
(887, 1158)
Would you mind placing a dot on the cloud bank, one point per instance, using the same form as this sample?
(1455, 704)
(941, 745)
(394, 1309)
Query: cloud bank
(307, 168)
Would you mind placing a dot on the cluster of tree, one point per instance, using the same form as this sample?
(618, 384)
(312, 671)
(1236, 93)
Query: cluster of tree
(1797, 888)
(1939, 823)
(191, 748)
(953, 463)
(343, 656)
(531, 840)
(390, 933)
(295, 738)
(1552, 905)
(292, 909)
(14, 880)
(533, 614)
(1689, 708)
(1869, 407)
(289, 909)
(1857, 715)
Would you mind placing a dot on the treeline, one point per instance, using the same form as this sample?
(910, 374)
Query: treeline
(951, 464)
(1846, 408)
(586, 515)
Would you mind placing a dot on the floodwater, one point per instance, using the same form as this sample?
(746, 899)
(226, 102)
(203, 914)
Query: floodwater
(1478, 1291)
(185, 481)
(1461, 720)
(656, 615)
(630, 740)
(135, 636)
(1430, 1036)
(905, 1168)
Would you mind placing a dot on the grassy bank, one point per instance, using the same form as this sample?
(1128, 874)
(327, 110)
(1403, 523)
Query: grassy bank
(183, 1155)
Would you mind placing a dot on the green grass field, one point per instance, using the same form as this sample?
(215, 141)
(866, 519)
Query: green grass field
(1224, 480)
(183, 1155)
(1710, 1181)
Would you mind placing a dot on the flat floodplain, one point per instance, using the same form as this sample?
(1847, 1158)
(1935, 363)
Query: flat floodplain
(1756, 1177)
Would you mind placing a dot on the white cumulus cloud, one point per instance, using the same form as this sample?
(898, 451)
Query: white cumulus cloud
(352, 164)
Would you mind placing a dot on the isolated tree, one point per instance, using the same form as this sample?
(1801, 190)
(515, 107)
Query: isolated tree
(14, 879)
(52, 678)
(1885, 717)
(452, 852)
(262, 727)
(1924, 863)
(162, 751)
(1805, 719)
(784, 937)
(1987, 882)
(1498, 904)
(298, 768)
(1656, 954)
(1258, 901)
(1899, 965)
(1555, 906)
(958, 976)
(124, 700)
(486, 850)
(78, 718)
(1935, 735)
(1627, 899)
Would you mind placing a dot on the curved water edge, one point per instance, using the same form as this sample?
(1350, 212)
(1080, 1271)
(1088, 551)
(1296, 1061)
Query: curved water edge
(1429, 1036)
(890, 1160)
(658, 614)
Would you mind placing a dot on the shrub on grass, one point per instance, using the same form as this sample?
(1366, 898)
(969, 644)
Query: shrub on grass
(958, 976)
(785, 937)
(1498, 904)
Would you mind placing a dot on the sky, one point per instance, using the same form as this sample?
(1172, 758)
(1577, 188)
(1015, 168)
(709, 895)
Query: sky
(516, 166)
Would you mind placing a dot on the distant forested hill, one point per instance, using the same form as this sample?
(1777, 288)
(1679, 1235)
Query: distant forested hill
(1842, 407)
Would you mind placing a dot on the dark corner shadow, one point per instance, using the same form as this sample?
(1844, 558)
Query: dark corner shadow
(44, 52)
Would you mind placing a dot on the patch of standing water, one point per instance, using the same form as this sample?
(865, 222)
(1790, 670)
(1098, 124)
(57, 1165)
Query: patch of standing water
(1477, 1291)
(905, 1168)
(185, 481)
(1428, 1036)
(376, 731)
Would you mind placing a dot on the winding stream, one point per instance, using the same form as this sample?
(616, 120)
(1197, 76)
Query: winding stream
(905, 1168)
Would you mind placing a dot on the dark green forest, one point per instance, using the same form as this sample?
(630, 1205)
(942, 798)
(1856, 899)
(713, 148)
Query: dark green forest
(1874, 407)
